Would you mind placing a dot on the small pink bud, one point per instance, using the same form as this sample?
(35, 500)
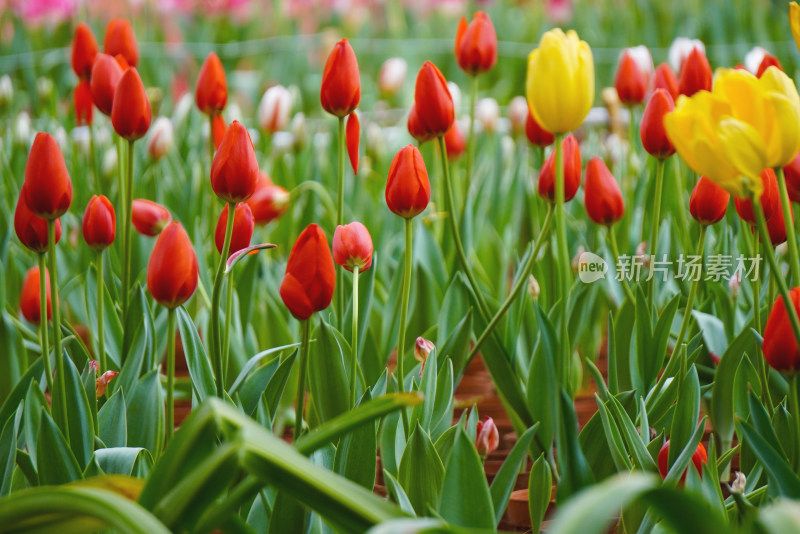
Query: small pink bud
(101, 384)
(422, 349)
(488, 438)
(93, 365)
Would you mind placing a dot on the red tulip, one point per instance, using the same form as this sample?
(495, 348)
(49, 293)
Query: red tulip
(352, 135)
(352, 246)
(148, 217)
(708, 202)
(408, 189)
(84, 50)
(487, 437)
(695, 73)
(82, 101)
(130, 114)
(603, 197)
(537, 135)
(30, 298)
(243, 226)
(121, 40)
(792, 174)
(31, 229)
(340, 92)
(770, 201)
(122, 62)
(766, 62)
(433, 102)
(665, 79)
(780, 345)
(415, 128)
(106, 73)
(269, 202)
(654, 136)
(571, 159)
(211, 93)
(476, 44)
(630, 81)
(310, 277)
(172, 270)
(234, 171)
(99, 223)
(698, 459)
(776, 227)
(101, 383)
(218, 129)
(48, 188)
(454, 141)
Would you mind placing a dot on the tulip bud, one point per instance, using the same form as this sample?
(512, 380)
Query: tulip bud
(630, 81)
(82, 100)
(408, 189)
(81, 138)
(84, 50)
(340, 91)
(48, 188)
(708, 202)
(274, 109)
(211, 93)
(130, 113)
(665, 79)
(537, 135)
(487, 438)
(310, 277)
(652, 132)
(487, 113)
(770, 201)
(101, 383)
(352, 246)
(766, 62)
(455, 94)
(792, 174)
(454, 141)
(234, 171)
(752, 60)
(243, 226)
(6, 91)
(680, 49)
(106, 74)
(299, 130)
(698, 459)
(110, 162)
(533, 288)
(571, 159)
(160, 140)
(148, 217)
(517, 114)
(735, 284)
(578, 261)
(739, 483)
(603, 198)
(32, 229)
(695, 74)
(44, 88)
(423, 349)
(780, 346)
(352, 135)
(415, 127)
(120, 40)
(99, 223)
(30, 298)
(392, 75)
(434, 105)
(476, 44)
(269, 201)
(776, 227)
(172, 270)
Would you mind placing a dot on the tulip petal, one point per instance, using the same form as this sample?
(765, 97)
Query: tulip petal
(353, 134)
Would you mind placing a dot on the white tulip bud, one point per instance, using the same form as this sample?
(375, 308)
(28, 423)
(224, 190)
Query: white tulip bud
(518, 114)
(274, 109)
(160, 139)
(22, 128)
(752, 60)
(644, 60)
(533, 288)
(299, 130)
(392, 75)
(735, 284)
(81, 137)
(680, 49)
(487, 113)
(182, 108)
(6, 91)
(455, 92)
(110, 162)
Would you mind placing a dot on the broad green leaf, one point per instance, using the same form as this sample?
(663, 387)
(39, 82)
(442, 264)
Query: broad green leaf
(145, 415)
(542, 385)
(357, 452)
(722, 390)
(113, 421)
(575, 471)
(506, 477)
(131, 461)
(57, 464)
(203, 385)
(540, 491)
(421, 472)
(465, 498)
(397, 494)
(781, 477)
(687, 410)
(327, 378)
(8, 454)
(79, 417)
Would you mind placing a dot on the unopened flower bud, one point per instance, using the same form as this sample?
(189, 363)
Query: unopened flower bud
(110, 162)
(81, 137)
(517, 114)
(161, 137)
(44, 88)
(735, 284)
(422, 349)
(6, 91)
(533, 287)
(101, 384)
(274, 109)
(487, 113)
(299, 130)
(576, 260)
(392, 75)
(739, 482)
(455, 94)
(488, 438)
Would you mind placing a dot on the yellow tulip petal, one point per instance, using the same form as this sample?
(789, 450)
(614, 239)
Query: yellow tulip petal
(745, 148)
(794, 22)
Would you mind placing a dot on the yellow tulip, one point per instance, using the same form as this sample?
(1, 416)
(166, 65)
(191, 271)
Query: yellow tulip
(560, 81)
(794, 22)
(784, 99)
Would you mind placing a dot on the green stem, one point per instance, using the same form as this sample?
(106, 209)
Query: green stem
(354, 342)
(794, 256)
(170, 373)
(216, 342)
(563, 259)
(470, 140)
(687, 313)
(60, 373)
(655, 226)
(126, 238)
(462, 256)
(101, 342)
(340, 220)
(301, 380)
(48, 372)
(612, 241)
(226, 333)
(520, 283)
(762, 365)
(794, 393)
(404, 295)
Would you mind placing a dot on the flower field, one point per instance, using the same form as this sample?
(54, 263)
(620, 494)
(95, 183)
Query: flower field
(399, 267)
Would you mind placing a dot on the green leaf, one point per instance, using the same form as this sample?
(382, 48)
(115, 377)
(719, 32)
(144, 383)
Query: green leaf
(722, 390)
(138, 345)
(465, 498)
(34, 373)
(145, 415)
(781, 477)
(421, 472)
(113, 421)
(542, 385)
(130, 461)
(203, 385)
(396, 492)
(506, 477)
(357, 452)
(713, 331)
(327, 377)
(540, 491)
(277, 384)
(575, 472)
(256, 362)
(57, 464)
(616, 445)
(79, 416)
(687, 411)
(780, 517)
(8, 450)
